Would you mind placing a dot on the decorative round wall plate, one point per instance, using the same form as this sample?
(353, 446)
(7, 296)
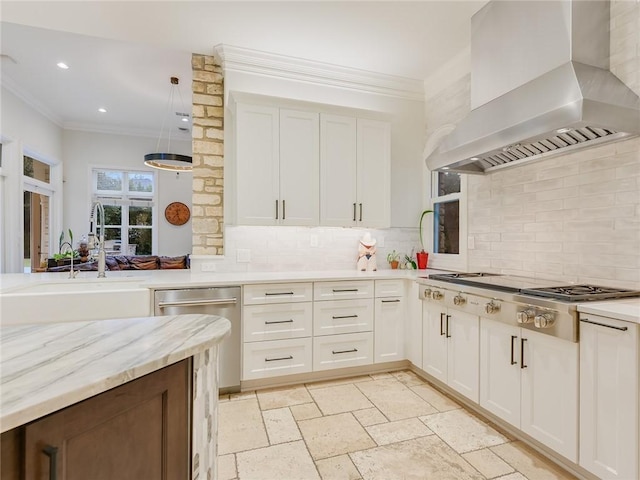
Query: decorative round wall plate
(177, 213)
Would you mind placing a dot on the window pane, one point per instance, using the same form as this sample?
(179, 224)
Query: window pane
(112, 233)
(141, 182)
(109, 181)
(141, 238)
(140, 216)
(113, 215)
(446, 222)
(448, 182)
(36, 169)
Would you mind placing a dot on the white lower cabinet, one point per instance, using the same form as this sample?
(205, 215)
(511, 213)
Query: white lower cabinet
(609, 404)
(530, 380)
(342, 316)
(338, 351)
(413, 326)
(279, 321)
(389, 329)
(451, 348)
(276, 357)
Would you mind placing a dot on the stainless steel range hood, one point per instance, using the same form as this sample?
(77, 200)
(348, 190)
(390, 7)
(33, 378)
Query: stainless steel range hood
(540, 86)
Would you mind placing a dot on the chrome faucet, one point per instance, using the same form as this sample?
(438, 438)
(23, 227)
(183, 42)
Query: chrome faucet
(99, 241)
(72, 272)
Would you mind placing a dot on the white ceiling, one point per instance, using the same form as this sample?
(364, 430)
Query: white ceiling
(122, 54)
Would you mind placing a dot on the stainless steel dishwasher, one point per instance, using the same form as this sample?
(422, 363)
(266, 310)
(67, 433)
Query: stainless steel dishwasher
(223, 301)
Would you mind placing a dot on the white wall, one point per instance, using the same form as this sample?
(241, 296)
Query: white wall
(84, 149)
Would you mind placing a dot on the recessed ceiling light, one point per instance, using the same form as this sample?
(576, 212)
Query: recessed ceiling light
(445, 168)
(185, 119)
(102, 110)
(474, 158)
(563, 130)
(62, 65)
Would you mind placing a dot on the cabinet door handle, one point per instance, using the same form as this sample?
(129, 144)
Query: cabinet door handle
(289, 357)
(269, 294)
(513, 337)
(277, 209)
(52, 453)
(522, 365)
(267, 322)
(354, 212)
(284, 210)
(441, 324)
(338, 317)
(336, 352)
(391, 301)
(447, 324)
(343, 290)
(585, 320)
(360, 212)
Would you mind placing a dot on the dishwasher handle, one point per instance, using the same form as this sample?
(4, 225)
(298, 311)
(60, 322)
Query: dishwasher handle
(198, 303)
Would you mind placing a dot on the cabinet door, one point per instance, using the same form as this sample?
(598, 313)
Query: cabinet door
(138, 430)
(609, 397)
(389, 329)
(337, 170)
(343, 316)
(276, 357)
(299, 163)
(463, 373)
(257, 157)
(338, 351)
(374, 173)
(277, 322)
(434, 343)
(413, 332)
(549, 406)
(500, 370)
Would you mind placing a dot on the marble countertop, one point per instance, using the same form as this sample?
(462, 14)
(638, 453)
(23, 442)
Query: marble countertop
(46, 367)
(627, 310)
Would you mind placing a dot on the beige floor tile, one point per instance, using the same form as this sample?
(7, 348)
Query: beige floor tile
(305, 411)
(283, 397)
(287, 461)
(440, 402)
(393, 432)
(381, 376)
(395, 400)
(487, 463)
(370, 416)
(240, 427)
(514, 476)
(338, 381)
(338, 468)
(340, 399)
(227, 467)
(408, 378)
(528, 462)
(419, 459)
(462, 431)
(334, 435)
(281, 427)
(242, 395)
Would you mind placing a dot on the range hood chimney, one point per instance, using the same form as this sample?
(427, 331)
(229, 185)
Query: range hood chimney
(540, 86)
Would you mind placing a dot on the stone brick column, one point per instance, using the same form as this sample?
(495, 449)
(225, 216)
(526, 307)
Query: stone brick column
(207, 218)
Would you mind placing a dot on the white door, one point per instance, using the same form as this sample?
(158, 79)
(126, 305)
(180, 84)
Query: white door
(434, 343)
(500, 370)
(550, 392)
(374, 173)
(299, 167)
(463, 332)
(257, 157)
(337, 170)
(389, 329)
(609, 445)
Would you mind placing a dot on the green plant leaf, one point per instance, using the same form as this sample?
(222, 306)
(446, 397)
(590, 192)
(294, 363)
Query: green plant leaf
(420, 227)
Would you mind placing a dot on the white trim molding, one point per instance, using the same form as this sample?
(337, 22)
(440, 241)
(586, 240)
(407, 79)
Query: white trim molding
(299, 69)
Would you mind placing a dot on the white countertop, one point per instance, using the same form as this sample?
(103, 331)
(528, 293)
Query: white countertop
(46, 367)
(627, 310)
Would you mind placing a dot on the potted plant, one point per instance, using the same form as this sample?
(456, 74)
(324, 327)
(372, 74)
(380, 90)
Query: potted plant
(422, 257)
(394, 259)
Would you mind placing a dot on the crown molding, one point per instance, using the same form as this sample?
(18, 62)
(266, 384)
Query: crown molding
(13, 87)
(291, 68)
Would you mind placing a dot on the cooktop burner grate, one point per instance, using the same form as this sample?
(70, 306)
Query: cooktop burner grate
(580, 293)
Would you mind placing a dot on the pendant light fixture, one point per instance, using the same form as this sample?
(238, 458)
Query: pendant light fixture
(169, 161)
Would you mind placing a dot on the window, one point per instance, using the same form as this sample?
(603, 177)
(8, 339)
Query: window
(449, 221)
(128, 198)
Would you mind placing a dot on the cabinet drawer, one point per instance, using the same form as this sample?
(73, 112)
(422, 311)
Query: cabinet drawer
(389, 288)
(343, 316)
(276, 357)
(277, 322)
(277, 293)
(343, 290)
(337, 351)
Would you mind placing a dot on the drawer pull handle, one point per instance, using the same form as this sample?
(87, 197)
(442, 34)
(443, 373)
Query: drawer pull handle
(513, 337)
(442, 324)
(448, 317)
(340, 317)
(52, 453)
(522, 365)
(273, 294)
(278, 321)
(343, 290)
(391, 301)
(623, 329)
(290, 357)
(344, 351)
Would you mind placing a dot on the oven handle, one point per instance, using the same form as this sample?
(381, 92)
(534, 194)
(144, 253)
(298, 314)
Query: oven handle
(624, 329)
(198, 303)
(522, 365)
(513, 337)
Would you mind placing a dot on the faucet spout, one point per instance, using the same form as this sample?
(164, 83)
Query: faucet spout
(97, 208)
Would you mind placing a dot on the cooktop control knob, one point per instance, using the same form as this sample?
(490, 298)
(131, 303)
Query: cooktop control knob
(427, 293)
(492, 307)
(525, 316)
(436, 295)
(459, 300)
(544, 320)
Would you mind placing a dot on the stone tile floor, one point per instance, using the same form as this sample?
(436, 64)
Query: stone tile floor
(384, 426)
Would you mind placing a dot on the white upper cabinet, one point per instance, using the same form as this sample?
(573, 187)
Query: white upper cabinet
(374, 173)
